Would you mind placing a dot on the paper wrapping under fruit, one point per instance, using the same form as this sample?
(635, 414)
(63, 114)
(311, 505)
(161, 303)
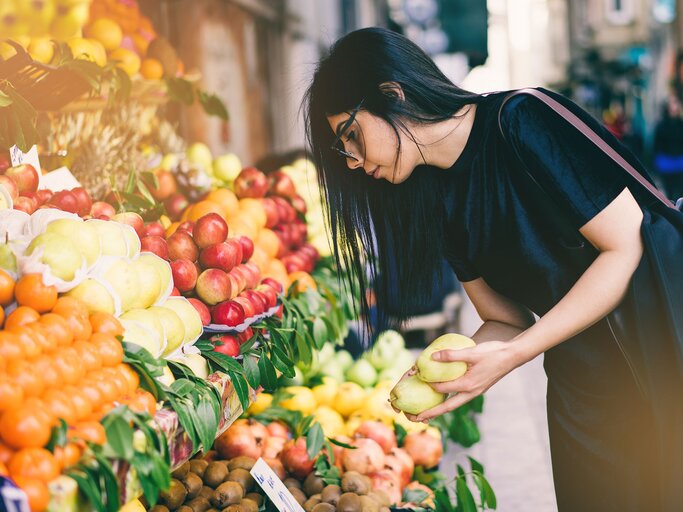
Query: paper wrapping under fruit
(31, 264)
(9, 204)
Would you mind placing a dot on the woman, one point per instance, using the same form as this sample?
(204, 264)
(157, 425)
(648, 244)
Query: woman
(415, 169)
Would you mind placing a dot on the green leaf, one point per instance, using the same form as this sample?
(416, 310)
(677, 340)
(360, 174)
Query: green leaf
(400, 432)
(339, 443)
(224, 362)
(443, 501)
(58, 435)
(207, 424)
(315, 438)
(464, 496)
(282, 362)
(415, 496)
(119, 436)
(241, 388)
(487, 496)
(268, 375)
(460, 469)
(180, 90)
(477, 404)
(182, 387)
(89, 488)
(476, 465)
(251, 371)
(213, 105)
(111, 484)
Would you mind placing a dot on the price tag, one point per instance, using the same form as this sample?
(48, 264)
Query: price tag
(59, 179)
(274, 488)
(18, 157)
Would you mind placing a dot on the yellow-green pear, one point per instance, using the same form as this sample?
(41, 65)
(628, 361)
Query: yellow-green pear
(437, 371)
(95, 296)
(411, 395)
(188, 315)
(58, 253)
(82, 234)
(196, 363)
(163, 270)
(140, 334)
(173, 327)
(150, 283)
(132, 241)
(149, 320)
(122, 276)
(112, 237)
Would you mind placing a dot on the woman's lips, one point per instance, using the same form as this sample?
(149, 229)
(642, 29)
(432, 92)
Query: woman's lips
(374, 173)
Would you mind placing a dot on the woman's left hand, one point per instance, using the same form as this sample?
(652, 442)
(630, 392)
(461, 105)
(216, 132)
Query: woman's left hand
(487, 363)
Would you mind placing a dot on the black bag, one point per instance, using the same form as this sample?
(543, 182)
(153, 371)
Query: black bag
(648, 324)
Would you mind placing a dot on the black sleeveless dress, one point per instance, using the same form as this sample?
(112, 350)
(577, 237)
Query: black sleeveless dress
(498, 229)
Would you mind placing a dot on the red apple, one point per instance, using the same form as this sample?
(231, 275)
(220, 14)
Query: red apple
(10, 186)
(213, 286)
(175, 292)
(175, 205)
(269, 294)
(25, 177)
(222, 256)
(184, 275)
(228, 313)
(155, 244)
(281, 185)
(209, 230)
(237, 247)
(255, 274)
(44, 196)
(181, 246)
(234, 286)
(259, 302)
(272, 213)
(186, 226)
(154, 229)
(202, 309)
(133, 220)
(311, 251)
(64, 200)
(100, 208)
(286, 210)
(5, 161)
(299, 204)
(166, 185)
(250, 183)
(226, 344)
(246, 334)
(25, 204)
(84, 200)
(273, 283)
(247, 247)
(246, 304)
(240, 276)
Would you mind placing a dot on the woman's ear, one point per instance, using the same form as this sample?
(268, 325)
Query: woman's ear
(392, 89)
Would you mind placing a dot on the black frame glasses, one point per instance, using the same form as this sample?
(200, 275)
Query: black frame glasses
(335, 145)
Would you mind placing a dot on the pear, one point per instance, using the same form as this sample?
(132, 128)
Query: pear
(58, 253)
(150, 283)
(411, 395)
(8, 261)
(189, 318)
(123, 278)
(173, 327)
(149, 320)
(142, 335)
(163, 270)
(112, 237)
(82, 234)
(436, 371)
(196, 363)
(95, 296)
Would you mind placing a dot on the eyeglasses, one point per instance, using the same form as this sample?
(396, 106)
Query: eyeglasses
(336, 144)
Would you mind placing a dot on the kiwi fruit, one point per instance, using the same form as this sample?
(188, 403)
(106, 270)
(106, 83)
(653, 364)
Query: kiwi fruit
(181, 471)
(193, 484)
(198, 467)
(324, 507)
(331, 494)
(174, 496)
(215, 474)
(367, 504)
(299, 495)
(248, 505)
(242, 477)
(212, 510)
(352, 481)
(228, 493)
(159, 508)
(349, 502)
(184, 508)
(313, 484)
(206, 492)
(311, 502)
(255, 497)
(380, 497)
(241, 462)
(233, 508)
(199, 504)
(159, 48)
(292, 483)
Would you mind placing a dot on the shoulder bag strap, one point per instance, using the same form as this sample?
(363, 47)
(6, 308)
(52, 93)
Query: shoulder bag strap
(572, 119)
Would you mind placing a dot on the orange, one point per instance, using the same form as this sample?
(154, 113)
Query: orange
(11, 394)
(40, 336)
(305, 281)
(21, 316)
(82, 405)
(106, 31)
(51, 376)
(125, 59)
(143, 401)
(10, 347)
(67, 455)
(60, 406)
(107, 388)
(36, 491)
(268, 242)
(27, 340)
(226, 199)
(6, 288)
(172, 228)
(76, 315)
(152, 69)
(106, 323)
(276, 270)
(109, 348)
(5, 453)
(32, 292)
(253, 208)
(88, 355)
(3, 469)
(260, 259)
(92, 392)
(2, 315)
(131, 376)
(88, 431)
(35, 463)
(58, 329)
(27, 377)
(69, 367)
(201, 208)
(24, 427)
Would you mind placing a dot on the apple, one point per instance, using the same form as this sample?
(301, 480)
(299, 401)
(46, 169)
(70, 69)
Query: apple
(213, 286)
(64, 200)
(273, 283)
(175, 205)
(10, 186)
(228, 313)
(226, 344)
(209, 230)
(255, 298)
(247, 247)
(186, 226)
(246, 304)
(132, 219)
(222, 256)
(156, 245)
(255, 272)
(100, 208)
(154, 229)
(287, 211)
(199, 153)
(299, 204)
(165, 186)
(246, 334)
(44, 196)
(237, 248)
(272, 212)
(181, 246)
(25, 204)
(184, 274)
(240, 277)
(83, 199)
(5, 161)
(25, 177)
(202, 309)
(226, 167)
(311, 251)
(175, 292)
(281, 185)
(250, 183)
(269, 293)
(234, 286)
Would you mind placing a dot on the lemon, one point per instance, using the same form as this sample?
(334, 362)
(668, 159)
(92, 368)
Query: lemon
(106, 31)
(41, 49)
(126, 59)
(99, 54)
(81, 48)
(326, 392)
(350, 397)
(302, 400)
(262, 402)
(330, 420)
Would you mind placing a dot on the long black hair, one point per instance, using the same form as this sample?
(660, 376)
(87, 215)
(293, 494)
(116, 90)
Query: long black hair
(398, 230)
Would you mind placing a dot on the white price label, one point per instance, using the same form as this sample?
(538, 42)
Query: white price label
(18, 157)
(59, 179)
(274, 488)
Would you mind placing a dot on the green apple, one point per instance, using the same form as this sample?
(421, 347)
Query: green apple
(196, 363)
(362, 373)
(403, 361)
(163, 270)
(8, 261)
(326, 354)
(173, 327)
(334, 371)
(411, 395)
(169, 161)
(122, 276)
(150, 283)
(201, 154)
(392, 375)
(149, 320)
(112, 237)
(344, 360)
(390, 338)
(82, 234)
(436, 371)
(188, 316)
(227, 167)
(58, 253)
(95, 295)
(142, 335)
(297, 380)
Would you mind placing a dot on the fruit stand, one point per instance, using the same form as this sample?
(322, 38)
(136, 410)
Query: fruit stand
(172, 324)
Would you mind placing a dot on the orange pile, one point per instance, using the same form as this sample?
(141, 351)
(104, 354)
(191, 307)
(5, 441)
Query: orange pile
(56, 362)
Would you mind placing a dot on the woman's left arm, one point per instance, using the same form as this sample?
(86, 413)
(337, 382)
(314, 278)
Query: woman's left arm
(615, 232)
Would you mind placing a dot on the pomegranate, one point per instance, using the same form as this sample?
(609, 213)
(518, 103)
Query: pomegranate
(382, 434)
(259, 430)
(393, 463)
(424, 449)
(406, 462)
(389, 482)
(238, 440)
(278, 429)
(277, 467)
(272, 447)
(417, 486)
(366, 458)
(338, 451)
(295, 459)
